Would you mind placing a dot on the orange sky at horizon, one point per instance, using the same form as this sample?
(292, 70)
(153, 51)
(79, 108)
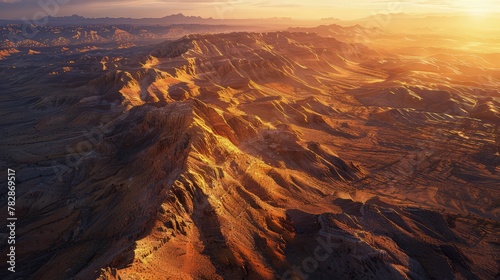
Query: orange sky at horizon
(312, 9)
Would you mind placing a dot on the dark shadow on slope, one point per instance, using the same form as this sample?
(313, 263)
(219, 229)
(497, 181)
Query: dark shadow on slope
(214, 241)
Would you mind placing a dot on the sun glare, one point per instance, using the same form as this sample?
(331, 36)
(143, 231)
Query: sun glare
(475, 7)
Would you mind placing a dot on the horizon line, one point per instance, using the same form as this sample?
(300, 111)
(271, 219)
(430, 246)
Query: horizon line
(455, 13)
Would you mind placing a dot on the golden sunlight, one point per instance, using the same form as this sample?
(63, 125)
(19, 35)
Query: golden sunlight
(475, 7)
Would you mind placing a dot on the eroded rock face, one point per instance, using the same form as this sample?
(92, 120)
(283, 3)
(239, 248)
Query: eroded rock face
(234, 156)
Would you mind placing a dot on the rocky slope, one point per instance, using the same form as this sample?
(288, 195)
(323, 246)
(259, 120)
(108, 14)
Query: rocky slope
(256, 156)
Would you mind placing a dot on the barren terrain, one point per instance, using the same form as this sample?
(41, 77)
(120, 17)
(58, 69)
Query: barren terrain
(238, 155)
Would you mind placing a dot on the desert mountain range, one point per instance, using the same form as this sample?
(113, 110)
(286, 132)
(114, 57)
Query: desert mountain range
(253, 155)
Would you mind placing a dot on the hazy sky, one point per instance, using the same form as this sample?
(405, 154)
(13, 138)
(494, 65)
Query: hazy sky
(313, 9)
